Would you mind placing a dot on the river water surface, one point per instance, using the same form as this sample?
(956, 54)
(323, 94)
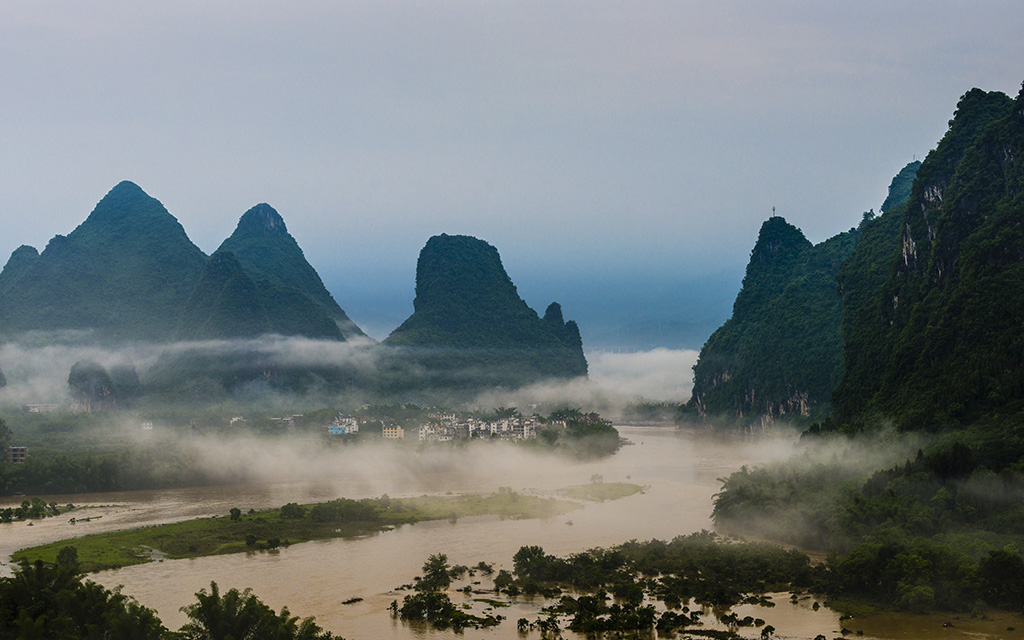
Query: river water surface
(679, 469)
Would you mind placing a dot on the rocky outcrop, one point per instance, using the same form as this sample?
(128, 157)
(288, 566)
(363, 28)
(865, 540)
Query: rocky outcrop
(780, 354)
(469, 323)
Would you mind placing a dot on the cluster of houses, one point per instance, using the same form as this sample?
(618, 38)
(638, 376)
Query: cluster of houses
(444, 426)
(343, 425)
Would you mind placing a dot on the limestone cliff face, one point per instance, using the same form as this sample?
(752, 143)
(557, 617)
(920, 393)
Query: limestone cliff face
(939, 342)
(974, 111)
(780, 353)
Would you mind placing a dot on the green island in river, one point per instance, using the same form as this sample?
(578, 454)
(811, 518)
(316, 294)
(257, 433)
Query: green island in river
(294, 523)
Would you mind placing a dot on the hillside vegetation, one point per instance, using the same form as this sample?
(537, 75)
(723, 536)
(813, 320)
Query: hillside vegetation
(932, 318)
(780, 354)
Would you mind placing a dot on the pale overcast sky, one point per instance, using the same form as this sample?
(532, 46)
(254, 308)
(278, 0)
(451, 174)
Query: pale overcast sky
(613, 152)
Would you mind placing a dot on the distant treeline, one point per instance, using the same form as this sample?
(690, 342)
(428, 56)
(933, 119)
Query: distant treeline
(90, 472)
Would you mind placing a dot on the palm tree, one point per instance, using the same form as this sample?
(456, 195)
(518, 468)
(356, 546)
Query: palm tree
(234, 616)
(240, 615)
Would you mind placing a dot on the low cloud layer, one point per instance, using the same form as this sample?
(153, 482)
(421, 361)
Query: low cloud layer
(659, 374)
(37, 370)
(615, 381)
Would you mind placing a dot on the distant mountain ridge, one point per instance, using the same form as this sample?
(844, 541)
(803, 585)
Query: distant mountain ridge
(130, 272)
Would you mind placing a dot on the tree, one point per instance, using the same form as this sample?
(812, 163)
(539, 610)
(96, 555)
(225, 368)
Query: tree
(1001, 574)
(236, 614)
(483, 567)
(503, 580)
(240, 615)
(236, 514)
(531, 563)
(293, 510)
(68, 557)
(53, 602)
(436, 576)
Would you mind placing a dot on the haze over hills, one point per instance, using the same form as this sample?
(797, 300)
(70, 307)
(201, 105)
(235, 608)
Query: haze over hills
(129, 273)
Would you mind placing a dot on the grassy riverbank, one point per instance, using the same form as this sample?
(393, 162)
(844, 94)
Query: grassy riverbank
(272, 528)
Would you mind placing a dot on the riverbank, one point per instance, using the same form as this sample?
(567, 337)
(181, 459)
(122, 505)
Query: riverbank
(268, 529)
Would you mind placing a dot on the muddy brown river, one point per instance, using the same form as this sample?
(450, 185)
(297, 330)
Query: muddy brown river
(679, 468)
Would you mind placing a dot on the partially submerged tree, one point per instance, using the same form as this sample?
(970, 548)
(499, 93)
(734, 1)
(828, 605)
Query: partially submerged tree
(436, 574)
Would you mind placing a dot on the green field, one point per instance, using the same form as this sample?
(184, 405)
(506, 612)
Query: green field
(270, 528)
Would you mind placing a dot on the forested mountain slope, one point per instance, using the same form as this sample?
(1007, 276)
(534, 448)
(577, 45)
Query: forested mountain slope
(780, 354)
(290, 288)
(124, 273)
(934, 312)
(469, 324)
